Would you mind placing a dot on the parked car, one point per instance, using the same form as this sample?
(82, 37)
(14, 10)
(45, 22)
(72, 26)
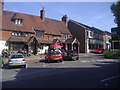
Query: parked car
(54, 56)
(71, 55)
(99, 51)
(16, 59)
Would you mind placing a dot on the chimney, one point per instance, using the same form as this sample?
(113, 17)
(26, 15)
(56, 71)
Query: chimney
(65, 19)
(42, 12)
(1, 5)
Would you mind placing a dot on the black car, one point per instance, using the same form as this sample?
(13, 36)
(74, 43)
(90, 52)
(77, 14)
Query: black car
(71, 55)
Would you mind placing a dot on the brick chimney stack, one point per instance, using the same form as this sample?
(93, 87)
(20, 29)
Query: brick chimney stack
(1, 5)
(42, 12)
(65, 19)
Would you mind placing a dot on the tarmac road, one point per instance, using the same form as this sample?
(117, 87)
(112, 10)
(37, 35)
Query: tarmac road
(92, 71)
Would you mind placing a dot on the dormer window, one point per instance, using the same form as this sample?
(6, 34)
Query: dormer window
(18, 21)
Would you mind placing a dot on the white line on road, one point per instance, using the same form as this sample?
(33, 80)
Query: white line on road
(109, 78)
(44, 64)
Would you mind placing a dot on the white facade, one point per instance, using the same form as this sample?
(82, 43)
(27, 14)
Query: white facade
(2, 46)
(44, 50)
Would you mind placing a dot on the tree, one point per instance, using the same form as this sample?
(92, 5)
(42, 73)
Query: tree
(115, 8)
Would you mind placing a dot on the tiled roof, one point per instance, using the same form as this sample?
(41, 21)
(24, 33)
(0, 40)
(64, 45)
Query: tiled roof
(18, 39)
(50, 26)
(44, 41)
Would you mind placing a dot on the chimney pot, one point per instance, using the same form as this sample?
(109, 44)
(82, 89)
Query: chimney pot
(65, 19)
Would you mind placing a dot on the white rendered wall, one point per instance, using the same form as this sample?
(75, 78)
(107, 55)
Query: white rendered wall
(2, 45)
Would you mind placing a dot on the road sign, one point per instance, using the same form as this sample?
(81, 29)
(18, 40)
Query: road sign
(115, 33)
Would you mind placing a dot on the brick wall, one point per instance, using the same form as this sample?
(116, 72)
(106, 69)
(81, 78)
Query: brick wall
(79, 33)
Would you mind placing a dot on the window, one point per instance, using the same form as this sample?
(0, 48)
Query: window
(19, 34)
(25, 34)
(13, 33)
(91, 33)
(18, 21)
(40, 34)
(55, 37)
(65, 36)
(87, 33)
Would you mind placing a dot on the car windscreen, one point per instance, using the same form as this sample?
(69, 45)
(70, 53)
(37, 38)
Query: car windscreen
(73, 53)
(17, 56)
(55, 53)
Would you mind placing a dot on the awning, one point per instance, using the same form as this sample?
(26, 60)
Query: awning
(107, 42)
(56, 45)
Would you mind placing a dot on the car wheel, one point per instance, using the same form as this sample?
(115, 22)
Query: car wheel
(60, 60)
(24, 66)
(77, 58)
(5, 66)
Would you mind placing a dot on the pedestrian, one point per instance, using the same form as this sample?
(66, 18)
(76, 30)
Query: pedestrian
(20, 51)
(25, 52)
(3, 54)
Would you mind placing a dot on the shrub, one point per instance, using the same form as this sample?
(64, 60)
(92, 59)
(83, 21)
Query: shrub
(112, 54)
(107, 53)
(117, 53)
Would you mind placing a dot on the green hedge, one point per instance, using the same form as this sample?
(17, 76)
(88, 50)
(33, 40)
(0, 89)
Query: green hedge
(112, 54)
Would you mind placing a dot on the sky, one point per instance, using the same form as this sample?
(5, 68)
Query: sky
(96, 14)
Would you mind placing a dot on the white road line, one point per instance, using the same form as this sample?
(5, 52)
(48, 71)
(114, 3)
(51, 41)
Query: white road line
(84, 61)
(44, 65)
(109, 78)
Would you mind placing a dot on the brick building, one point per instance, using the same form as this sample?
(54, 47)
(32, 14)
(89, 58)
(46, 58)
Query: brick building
(107, 40)
(90, 38)
(34, 33)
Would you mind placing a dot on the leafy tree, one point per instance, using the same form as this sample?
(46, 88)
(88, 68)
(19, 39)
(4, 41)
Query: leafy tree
(115, 8)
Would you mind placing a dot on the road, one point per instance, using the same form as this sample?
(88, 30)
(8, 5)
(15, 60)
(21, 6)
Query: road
(92, 71)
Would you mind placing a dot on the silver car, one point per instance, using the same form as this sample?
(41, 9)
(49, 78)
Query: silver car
(16, 59)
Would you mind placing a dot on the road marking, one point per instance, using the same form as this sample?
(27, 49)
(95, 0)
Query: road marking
(84, 61)
(44, 64)
(109, 78)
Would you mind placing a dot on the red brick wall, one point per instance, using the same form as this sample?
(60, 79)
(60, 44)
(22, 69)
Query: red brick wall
(78, 32)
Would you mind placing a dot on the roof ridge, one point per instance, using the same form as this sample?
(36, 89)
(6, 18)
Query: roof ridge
(31, 15)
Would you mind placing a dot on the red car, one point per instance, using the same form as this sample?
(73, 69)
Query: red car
(54, 56)
(100, 51)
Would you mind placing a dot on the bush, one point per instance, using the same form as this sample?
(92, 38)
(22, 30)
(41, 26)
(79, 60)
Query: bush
(112, 54)
(117, 53)
(107, 54)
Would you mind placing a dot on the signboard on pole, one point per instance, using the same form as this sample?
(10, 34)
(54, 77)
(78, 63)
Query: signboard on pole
(115, 33)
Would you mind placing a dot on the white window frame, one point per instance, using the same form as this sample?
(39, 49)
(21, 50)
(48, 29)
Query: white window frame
(55, 37)
(18, 21)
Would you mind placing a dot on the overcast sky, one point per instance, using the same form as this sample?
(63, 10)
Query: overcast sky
(97, 14)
